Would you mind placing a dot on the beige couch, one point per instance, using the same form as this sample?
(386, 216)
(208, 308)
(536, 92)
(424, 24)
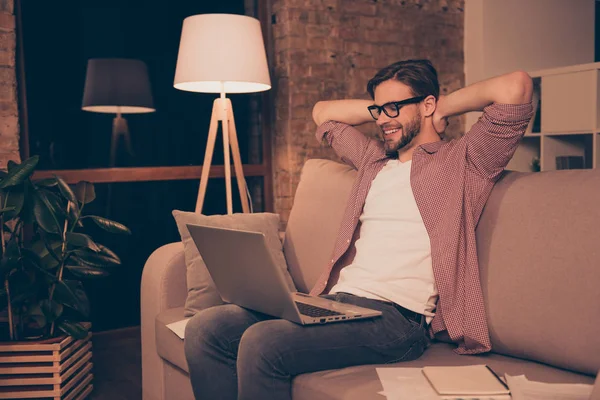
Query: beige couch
(539, 251)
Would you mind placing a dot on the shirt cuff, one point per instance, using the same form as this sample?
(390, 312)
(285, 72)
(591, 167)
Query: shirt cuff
(509, 113)
(325, 127)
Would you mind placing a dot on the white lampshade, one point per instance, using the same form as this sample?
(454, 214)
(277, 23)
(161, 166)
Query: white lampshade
(222, 53)
(117, 85)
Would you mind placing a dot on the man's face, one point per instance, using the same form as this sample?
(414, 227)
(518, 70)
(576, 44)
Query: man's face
(399, 131)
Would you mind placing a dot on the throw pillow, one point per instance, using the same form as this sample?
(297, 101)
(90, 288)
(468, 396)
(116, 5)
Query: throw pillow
(201, 288)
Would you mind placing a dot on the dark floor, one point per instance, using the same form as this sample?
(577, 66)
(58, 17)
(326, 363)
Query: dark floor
(117, 358)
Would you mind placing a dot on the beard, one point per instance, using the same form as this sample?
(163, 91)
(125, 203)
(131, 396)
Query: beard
(410, 130)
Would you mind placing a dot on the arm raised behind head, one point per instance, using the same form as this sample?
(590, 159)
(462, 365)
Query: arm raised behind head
(352, 111)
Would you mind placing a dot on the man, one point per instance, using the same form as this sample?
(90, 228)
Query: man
(411, 221)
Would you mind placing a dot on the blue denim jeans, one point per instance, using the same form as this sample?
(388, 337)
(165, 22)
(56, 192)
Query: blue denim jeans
(234, 353)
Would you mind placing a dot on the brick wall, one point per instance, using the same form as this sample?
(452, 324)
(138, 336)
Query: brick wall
(329, 49)
(9, 115)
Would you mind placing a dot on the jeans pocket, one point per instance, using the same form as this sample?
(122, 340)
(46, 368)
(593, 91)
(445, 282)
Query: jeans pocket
(407, 346)
(416, 350)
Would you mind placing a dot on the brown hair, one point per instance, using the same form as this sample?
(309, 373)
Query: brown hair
(419, 75)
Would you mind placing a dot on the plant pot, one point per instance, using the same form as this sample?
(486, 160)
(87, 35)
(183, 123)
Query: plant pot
(58, 368)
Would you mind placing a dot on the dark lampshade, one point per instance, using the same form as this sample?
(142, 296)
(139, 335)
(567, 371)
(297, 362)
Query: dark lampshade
(117, 85)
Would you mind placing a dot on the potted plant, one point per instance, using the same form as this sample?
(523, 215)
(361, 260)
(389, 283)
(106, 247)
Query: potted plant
(44, 256)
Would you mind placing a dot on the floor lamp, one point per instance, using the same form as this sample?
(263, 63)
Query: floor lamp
(222, 53)
(117, 86)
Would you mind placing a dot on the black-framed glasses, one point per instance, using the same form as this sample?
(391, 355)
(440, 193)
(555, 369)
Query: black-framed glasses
(392, 109)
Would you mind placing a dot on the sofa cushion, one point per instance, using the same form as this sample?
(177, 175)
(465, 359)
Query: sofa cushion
(537, 243)
(362, 382)
(201, 288)
(315, 219)
(168, 345)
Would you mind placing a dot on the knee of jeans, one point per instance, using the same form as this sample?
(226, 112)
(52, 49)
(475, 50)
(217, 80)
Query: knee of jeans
(261, 346)
(201, 332)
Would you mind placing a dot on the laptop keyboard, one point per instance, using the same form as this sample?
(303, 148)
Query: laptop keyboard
(313, 311)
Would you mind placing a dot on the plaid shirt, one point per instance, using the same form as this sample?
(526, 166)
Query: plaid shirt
(451, 181)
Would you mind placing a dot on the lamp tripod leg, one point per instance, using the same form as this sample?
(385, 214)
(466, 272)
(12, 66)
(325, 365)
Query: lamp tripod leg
(237, 160)
(210, 146)
(227, 158)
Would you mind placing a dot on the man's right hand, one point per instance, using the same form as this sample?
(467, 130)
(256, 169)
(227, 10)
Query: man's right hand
(351, 112)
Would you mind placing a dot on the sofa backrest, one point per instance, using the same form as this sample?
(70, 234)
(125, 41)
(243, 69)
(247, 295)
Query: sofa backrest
(539, 252)
(317, 212)
(538, 243)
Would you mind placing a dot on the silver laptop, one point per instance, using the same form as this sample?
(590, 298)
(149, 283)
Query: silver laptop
(245, 274)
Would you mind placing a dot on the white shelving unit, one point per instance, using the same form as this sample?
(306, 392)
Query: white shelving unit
(567, 118)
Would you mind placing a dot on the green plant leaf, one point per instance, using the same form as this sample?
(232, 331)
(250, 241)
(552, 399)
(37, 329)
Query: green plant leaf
(71, 294)
(105, 251)
(54, 248)
(65, 190)
(30, 256)
(35, 313)
(23, 295)
(85, 193)
(18, 173)
(7, 264)
(11, 165)
(73, 214)
(44, 213)
(31, 260)
(95, 259)
(51, 309)
(58, 204)
(46, 182)
(14, 197)
(10, 259)
(42, 249)
(81, 240)
(75, 329)
(84, 271)
(5, 210)
(24, 287)
(109, 225)
(27, 214)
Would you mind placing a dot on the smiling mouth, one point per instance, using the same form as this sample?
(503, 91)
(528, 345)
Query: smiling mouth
(388, 132)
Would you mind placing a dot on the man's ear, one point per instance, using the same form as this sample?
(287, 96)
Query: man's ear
(429, 105)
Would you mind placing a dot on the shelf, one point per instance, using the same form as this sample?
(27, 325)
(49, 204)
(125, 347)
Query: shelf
(566, 145)
(565, 70)
(528, 150)
(566, 120)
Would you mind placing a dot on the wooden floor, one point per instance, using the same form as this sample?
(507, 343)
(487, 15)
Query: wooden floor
(117, 358)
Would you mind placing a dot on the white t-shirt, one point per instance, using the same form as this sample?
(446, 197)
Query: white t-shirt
(393, 253)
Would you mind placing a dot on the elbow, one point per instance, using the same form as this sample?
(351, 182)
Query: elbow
(520, 88)
(316, 113)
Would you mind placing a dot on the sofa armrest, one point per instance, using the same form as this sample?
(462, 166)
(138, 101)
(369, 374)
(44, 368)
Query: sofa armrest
(163, 287)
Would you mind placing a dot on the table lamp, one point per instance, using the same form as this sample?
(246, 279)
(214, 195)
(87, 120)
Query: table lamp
(222, 53)
(117, 86)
